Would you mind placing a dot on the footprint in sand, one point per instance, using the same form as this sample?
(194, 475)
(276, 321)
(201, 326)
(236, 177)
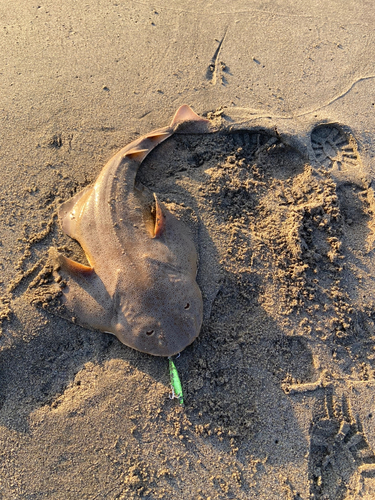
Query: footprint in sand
(333, 148)
(339, 451)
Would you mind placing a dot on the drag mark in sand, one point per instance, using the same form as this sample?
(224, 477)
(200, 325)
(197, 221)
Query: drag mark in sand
(217, 66)
(336, 98)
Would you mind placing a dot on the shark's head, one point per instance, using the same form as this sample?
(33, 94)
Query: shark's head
(168, 316)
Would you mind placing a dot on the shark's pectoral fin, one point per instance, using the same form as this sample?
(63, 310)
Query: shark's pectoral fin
(70, 212)
(70, 266)
(84, 298)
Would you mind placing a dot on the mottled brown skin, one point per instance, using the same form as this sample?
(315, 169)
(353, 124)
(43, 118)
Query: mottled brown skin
(141, 282)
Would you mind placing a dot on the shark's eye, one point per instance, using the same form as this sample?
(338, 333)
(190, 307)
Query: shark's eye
(150, 332)
(187, 306)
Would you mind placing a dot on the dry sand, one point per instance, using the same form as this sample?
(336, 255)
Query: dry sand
(279, 386)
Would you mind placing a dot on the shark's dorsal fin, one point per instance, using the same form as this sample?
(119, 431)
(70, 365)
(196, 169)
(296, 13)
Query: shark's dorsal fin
(159, 219)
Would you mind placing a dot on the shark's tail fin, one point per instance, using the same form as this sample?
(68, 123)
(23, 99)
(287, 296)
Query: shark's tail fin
(186, 114)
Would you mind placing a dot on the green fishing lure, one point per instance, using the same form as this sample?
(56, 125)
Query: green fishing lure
(175, 382)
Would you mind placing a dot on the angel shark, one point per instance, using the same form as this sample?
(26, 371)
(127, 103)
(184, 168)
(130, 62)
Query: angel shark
(140, 284)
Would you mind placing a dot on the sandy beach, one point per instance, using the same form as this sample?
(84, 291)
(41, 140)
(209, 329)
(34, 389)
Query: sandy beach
(279, 387)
